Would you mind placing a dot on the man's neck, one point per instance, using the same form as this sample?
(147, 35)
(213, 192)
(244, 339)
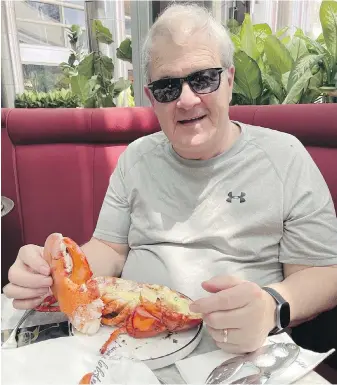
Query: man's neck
(220, 146)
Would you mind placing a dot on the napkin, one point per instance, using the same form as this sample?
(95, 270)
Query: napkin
(195, 370)
(11, 316)
(66, 360)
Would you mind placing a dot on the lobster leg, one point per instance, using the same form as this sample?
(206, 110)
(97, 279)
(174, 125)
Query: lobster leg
(118, 319)
(113, 337)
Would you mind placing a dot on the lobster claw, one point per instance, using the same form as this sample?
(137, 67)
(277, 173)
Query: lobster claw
(77, 294)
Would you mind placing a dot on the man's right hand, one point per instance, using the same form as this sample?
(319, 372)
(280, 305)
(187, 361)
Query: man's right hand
(29, 278)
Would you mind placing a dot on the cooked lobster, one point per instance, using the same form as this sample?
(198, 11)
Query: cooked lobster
(140, 310)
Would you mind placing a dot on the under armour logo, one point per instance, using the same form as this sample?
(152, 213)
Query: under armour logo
(231, 196)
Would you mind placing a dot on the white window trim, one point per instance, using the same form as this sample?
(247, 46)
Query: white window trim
(62, 4)
(51, 23)
(43, 55)
(141, 16)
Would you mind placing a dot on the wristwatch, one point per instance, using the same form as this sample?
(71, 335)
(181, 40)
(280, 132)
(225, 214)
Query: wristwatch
(282, 312)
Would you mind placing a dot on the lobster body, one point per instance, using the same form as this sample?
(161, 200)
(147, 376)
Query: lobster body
(140, 310)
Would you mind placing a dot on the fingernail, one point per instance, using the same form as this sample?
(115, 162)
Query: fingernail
(44, 270)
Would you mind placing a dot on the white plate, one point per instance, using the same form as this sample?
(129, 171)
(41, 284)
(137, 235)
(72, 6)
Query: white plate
(156, 352)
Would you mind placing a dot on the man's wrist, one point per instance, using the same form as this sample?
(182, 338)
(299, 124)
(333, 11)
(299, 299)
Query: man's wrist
(271, 306)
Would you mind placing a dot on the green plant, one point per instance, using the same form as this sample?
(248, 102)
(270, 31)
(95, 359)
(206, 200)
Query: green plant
(124, 52)
(53, 99)
(91, 75)
(277, 68)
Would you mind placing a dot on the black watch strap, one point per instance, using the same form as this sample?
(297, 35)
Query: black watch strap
(282, 311)
(278, 298)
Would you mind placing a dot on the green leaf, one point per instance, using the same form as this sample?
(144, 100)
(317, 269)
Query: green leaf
(90, 103)
(247, 37)
(121, 85)
(299, 32)
(238, 90)
(286, 40)
(311, 44)
(107, 101)
(301, 67)
(79, 86)
(274, 86)
(124, 51)
(328, 17)
(247, 75)
(297, 89)
(236, 41)
(316, 81)
(277, 54)
(102, 34)
(297, 48)
(281, 31)
(233, 26)
(320, 39)
(274, 100)
(261, 32)
(86, 66)
(103, 65)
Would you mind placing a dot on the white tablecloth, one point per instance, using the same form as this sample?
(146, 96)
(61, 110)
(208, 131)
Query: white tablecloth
(169, 374)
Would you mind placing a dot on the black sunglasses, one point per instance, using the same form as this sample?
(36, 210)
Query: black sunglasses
(200, 82)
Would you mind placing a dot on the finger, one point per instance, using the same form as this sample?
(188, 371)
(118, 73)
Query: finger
(232, 348)
(221, 282)
(229, 319)
(34, 259)
(27, 303)
(18, 292)
(232, 336)
(232, 298)
(21, 277)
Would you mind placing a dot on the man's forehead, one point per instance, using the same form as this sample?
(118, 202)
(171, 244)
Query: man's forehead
(177, 61)
(170, 72)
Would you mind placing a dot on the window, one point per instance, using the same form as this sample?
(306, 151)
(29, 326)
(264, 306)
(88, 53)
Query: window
(74, 16)
(44, 43)
(44, 11)
(45, 23)
(42, 78)
(40, 34)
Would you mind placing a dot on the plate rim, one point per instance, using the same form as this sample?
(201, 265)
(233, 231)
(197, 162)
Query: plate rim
(200, 327)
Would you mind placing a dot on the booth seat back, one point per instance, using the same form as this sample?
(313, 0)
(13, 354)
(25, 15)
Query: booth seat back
(56, 163)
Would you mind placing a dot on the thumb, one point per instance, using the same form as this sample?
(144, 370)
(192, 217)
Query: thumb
(221, 282)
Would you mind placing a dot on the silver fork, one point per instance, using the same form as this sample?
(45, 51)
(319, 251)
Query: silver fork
(230, 367)
(11, 341)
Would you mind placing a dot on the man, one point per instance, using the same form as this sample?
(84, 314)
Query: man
(213, 208)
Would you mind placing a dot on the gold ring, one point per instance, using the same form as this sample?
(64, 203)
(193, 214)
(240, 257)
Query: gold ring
(225, 335)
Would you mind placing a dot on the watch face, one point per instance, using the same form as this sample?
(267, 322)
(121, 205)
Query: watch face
(284, 315)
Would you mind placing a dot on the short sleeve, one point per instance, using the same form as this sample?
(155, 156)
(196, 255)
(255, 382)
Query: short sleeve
(114, 219)
(310, 223)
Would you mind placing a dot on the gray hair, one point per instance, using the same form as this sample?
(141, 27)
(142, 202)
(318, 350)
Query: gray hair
(182, 19)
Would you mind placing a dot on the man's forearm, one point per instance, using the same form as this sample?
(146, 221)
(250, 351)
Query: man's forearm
(309, 292)
(104, 260)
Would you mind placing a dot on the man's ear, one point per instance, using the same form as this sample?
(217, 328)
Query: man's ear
(149, 95)
(230, 78)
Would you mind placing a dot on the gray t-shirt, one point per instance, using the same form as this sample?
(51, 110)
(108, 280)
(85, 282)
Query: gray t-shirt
(244, 212)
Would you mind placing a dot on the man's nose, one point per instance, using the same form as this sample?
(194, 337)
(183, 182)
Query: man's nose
(188, 98)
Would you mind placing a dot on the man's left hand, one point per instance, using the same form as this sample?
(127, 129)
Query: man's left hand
(239, 314)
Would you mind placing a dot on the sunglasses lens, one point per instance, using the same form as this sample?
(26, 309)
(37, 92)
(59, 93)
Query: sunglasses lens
(206, 81)
(166, 90)
(201, 82)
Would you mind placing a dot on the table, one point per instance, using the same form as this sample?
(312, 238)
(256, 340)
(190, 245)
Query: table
(7, 206)
(169, 375)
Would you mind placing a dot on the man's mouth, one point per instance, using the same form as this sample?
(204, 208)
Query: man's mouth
(192, 120)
